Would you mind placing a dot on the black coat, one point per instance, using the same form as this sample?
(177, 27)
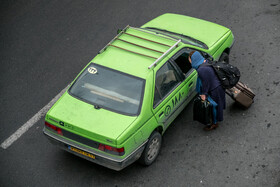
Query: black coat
(212, 86)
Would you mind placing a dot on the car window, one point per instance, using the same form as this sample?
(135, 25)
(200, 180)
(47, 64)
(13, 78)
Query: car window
(166, 79)
(183, 63)
(109, 89)
(181, 59)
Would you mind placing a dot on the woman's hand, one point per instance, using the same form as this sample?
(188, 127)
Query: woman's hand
(203, 97)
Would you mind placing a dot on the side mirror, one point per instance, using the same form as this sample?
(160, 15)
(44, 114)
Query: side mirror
(210, 58)
(207, 56)
(119, 31)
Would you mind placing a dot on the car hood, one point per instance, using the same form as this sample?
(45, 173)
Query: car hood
(83, 119)
(204, 31)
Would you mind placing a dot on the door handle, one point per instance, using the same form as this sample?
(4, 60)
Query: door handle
(160, 114)
(190, 84)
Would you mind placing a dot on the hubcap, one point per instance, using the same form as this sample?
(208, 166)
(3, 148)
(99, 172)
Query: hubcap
(153, 149)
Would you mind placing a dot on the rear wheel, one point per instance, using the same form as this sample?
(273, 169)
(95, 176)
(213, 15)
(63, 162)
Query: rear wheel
(152, 149)
(224, 57)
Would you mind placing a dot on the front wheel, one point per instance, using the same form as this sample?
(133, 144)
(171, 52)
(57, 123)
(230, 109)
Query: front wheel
(152, 149)
(224, 57)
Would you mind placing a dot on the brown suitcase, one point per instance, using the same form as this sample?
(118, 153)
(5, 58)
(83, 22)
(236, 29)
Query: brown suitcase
(241, 94)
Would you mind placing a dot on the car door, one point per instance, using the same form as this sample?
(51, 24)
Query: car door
(171, 92)
(181, 63)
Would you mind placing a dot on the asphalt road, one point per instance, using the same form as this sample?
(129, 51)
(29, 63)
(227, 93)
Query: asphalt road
(45, 44)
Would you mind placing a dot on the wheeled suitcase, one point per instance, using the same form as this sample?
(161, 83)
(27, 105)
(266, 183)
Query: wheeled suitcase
(241, 94)
(202, 111)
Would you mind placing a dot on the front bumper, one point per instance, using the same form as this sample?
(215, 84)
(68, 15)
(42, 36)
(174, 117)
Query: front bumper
(101, 159)
(233, 41)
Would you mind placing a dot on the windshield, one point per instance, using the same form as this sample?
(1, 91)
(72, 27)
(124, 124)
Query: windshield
(185, 39)
(109, 89)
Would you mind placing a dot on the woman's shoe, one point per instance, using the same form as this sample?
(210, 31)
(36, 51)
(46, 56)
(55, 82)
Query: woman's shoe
(211, 127)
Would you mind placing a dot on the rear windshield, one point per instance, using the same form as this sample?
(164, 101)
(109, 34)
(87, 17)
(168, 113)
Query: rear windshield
(109, 89)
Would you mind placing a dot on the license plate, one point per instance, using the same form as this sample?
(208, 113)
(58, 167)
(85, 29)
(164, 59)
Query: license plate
(81, 152)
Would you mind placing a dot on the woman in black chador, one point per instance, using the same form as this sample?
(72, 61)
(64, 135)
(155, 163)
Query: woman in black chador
(208, 84)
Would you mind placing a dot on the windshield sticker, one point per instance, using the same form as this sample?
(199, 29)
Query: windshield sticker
(92, 70)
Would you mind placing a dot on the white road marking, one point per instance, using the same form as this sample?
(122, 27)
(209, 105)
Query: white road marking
(9, 141)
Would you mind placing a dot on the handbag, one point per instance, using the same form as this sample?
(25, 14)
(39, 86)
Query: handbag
(202, 111)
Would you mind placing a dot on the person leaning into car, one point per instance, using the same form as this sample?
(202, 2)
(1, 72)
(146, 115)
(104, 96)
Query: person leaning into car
(208, 84)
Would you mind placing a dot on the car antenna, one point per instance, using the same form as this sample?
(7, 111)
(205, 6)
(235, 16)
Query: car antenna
(97, 107)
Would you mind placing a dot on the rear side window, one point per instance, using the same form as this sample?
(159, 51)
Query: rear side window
(166, 79)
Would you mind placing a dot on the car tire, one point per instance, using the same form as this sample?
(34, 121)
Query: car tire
(224, 57)
(152, 149)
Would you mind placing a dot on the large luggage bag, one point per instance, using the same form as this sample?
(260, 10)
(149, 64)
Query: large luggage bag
(241, 94)
(202, 111)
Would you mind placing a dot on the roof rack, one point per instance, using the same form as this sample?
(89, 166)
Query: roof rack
(157, 59)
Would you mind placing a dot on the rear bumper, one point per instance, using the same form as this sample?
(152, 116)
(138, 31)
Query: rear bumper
(101, 159)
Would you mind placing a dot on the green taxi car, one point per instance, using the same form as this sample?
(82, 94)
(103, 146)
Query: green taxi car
(117, 109)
